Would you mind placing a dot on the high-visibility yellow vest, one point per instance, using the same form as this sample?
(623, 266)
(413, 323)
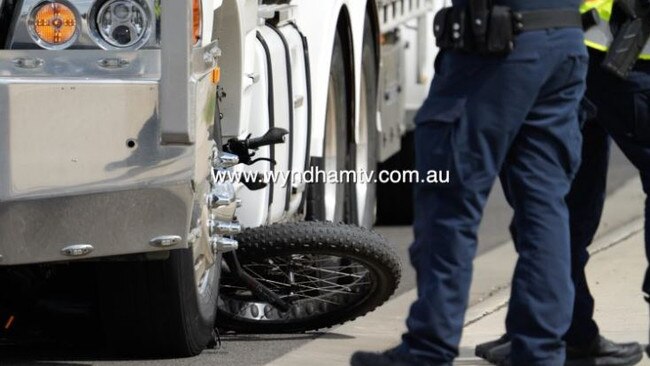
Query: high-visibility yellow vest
(600, 37)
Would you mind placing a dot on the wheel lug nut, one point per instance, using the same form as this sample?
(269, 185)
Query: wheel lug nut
(223, 245)
(222, 195)
(225, 228)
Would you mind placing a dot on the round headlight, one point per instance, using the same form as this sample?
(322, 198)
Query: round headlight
(124, 23)
(54, 25)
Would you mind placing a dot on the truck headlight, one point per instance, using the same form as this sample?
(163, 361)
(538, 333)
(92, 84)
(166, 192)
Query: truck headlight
(53, 25)
(123, 23)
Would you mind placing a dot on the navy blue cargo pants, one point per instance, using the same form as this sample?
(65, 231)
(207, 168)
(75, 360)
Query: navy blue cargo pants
(485, 115)
(622, 112)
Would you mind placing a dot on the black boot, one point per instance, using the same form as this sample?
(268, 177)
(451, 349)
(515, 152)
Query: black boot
(482, 349)
(601, 352)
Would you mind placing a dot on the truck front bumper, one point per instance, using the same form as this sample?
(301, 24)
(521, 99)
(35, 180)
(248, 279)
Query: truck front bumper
(113, 223)
(81, 159)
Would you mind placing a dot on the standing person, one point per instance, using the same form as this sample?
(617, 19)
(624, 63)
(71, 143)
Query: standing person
(622, 111)
(491, 110)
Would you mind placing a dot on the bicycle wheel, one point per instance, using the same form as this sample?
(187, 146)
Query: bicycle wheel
(329, 273)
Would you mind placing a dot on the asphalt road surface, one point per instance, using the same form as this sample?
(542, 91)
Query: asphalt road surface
(238, 350)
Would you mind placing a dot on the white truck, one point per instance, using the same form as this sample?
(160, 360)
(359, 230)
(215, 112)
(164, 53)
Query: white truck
(113, 116)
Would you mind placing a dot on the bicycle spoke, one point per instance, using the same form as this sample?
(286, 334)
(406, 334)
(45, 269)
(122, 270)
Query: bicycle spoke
(308, 279)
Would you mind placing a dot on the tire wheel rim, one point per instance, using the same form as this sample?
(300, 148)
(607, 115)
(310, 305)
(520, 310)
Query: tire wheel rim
(330, 155)
(202, 276)
(204, 259)
(362, 150)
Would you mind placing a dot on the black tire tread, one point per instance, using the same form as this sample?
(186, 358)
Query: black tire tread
(144, 307)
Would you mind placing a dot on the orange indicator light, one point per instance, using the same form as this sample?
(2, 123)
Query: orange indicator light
(196, 21)
(216, 75)
(55, 23)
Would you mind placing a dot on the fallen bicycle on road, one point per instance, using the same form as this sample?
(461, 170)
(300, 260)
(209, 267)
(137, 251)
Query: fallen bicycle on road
(320, 274)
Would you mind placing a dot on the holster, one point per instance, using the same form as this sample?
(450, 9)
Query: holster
(501, 33)
(630, 26)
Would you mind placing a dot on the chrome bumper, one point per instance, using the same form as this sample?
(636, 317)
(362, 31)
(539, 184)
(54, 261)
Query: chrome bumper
(115, 223)
(81, 159)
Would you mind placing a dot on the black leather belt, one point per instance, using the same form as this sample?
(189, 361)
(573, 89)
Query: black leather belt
(526, 21)
(491, 29)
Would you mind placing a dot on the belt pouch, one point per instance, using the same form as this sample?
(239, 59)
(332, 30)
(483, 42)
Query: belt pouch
(459, 31)
(442, 28)
(450, 29)
(479, 12)
(500, 38)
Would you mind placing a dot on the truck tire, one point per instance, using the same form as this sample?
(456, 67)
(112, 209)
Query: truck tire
(330, 296)
(366, 148)
(332, 202)
(156, 308)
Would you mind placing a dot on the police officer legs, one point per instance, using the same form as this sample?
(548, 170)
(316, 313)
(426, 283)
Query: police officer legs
(485, 114)
(622, 110)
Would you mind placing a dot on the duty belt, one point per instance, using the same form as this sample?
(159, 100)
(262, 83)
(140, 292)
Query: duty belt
(526, 21)
(490, 29)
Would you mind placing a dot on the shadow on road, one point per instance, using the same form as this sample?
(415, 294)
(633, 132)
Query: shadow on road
(55, 354)
(283, 337)
(80, 353)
